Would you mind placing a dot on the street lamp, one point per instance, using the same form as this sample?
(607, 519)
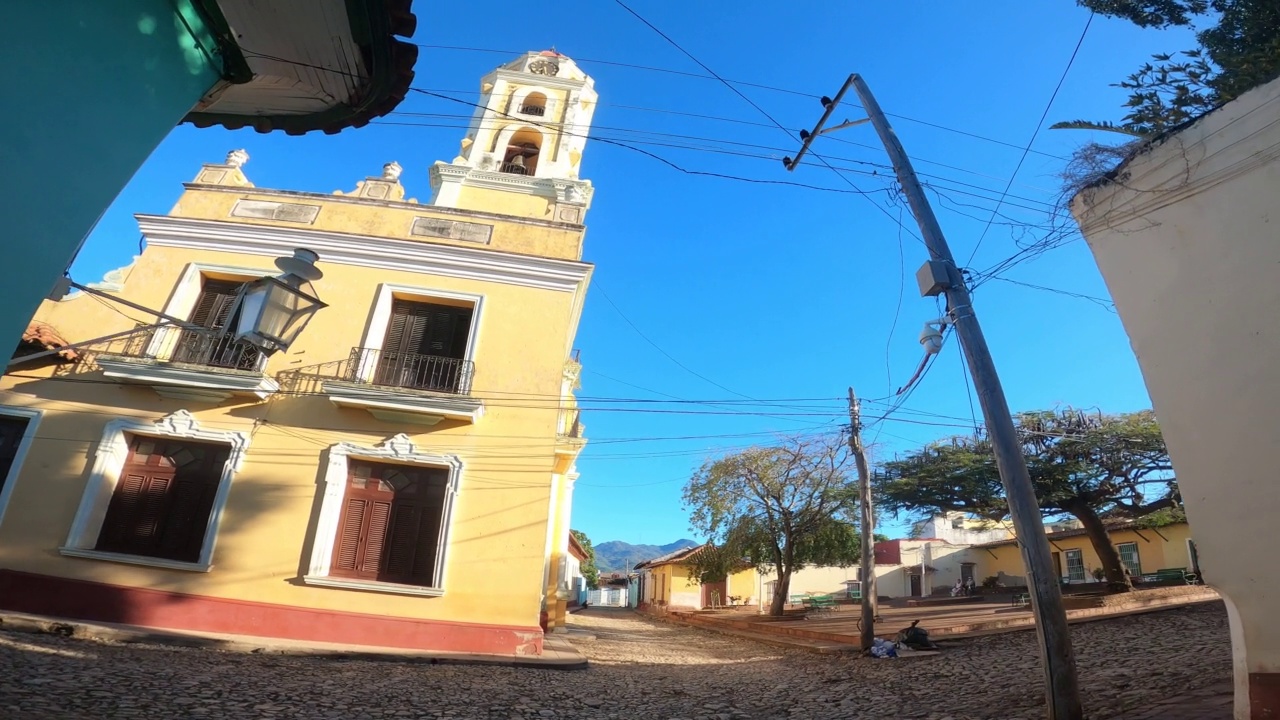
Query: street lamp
(274, 310)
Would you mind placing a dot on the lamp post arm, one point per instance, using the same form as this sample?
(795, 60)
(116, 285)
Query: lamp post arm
(135, 306)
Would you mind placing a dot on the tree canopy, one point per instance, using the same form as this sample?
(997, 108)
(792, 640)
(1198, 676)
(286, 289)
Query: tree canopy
(1091, 466)
(777, 508)
(590, 572)
(1239, 49)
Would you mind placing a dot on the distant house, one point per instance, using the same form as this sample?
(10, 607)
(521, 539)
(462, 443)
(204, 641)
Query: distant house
(668, 582)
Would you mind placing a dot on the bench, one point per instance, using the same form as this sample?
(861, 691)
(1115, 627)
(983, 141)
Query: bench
(1172, 574)
(1020, 599)
(821, 603)
(798, 599)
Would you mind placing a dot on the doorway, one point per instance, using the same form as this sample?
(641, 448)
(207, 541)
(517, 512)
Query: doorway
(915, 586)
(713, 594)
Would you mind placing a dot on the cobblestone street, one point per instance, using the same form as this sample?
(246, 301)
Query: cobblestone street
(1172, 665)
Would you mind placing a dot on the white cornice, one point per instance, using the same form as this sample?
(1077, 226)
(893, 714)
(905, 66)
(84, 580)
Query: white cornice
(366, 251)
(487, 179)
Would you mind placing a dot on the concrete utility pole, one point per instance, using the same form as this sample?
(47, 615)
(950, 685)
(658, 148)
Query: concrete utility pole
(940, 275)
(868, 564)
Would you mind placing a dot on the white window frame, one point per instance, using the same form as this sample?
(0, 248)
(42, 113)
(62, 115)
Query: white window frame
(398, 449)
(375, 331)
(1136, 554)
(33, 417)
(1066, 565)
(108, 463)
(182, 301)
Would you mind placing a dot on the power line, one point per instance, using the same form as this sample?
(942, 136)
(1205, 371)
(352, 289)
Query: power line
(721, 151)
(661, 350)
(1071, 61)
(937, 126)
(1102, 302)
(765, 113)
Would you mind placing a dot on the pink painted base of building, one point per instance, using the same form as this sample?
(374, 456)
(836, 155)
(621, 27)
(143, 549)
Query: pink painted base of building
(143, 607)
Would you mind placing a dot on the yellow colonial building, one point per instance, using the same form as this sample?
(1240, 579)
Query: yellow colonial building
(401, 475)
(670, 582)
(1148, 553)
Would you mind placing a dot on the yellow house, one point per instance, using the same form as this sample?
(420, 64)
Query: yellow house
(400, 476)
(1144, 551)
(669, 582)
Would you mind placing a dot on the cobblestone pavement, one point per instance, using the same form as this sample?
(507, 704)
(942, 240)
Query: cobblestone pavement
(1173, 665)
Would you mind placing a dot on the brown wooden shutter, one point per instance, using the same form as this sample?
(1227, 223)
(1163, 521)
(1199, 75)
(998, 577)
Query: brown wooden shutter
(161, 504)
(408, 324)
(11, 431)
(122, 512)
(390, 524)
(213, 307)
(346, 554)
(376, 538)
(427, 329)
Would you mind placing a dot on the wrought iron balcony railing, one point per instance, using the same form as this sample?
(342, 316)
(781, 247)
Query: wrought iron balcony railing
(212, 348)
(388, 369)
(538, 110)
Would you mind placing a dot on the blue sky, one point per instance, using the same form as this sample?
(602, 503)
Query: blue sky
(762, 292)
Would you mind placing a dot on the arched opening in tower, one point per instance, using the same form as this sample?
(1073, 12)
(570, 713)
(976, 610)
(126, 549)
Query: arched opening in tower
(522, 152)
(535, 103)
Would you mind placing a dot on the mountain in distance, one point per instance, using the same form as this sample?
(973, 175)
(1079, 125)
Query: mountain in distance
(619, 556)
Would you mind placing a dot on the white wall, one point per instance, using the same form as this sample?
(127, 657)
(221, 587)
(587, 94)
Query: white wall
(943, 528)
(815, 580)
(1188, 240)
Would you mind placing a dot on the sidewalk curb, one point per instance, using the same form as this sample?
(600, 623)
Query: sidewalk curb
(126, 634)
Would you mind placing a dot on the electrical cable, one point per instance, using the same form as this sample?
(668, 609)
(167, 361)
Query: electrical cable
(813, 96)
(1071, 61)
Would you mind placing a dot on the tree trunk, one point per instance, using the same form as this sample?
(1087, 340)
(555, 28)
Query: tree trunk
(782, 562)
(780, 591)
(1117, 578)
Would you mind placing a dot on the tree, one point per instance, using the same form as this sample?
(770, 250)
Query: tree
(1090, 466)
(590, 572)
(776, 508)
(1239, 52)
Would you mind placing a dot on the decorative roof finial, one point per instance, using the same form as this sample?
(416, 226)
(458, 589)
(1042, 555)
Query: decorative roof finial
(391, 171)
(237, 158)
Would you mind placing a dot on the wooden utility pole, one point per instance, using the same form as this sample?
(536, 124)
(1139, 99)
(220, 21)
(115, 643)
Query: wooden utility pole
(940, 275)
(868, 564)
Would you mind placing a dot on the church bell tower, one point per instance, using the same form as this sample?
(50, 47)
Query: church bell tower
(523, 149)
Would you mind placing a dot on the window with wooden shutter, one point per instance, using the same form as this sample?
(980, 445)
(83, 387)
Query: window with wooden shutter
(391, 524)
(213, 307)
(160, 507)
(213, 310)
(11, 431)
(425, 346)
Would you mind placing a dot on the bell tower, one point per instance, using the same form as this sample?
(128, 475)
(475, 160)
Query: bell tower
(523, 149)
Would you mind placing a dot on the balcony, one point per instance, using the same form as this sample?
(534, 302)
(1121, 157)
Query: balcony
(195, 364)
(535, 110)
(394, 387)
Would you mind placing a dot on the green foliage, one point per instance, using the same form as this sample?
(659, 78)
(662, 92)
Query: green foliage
(1160, 518)
(989, 582)
(775, 508)
(590, 572)
(1239, 52)
(1086, 465)
(1149, 13)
